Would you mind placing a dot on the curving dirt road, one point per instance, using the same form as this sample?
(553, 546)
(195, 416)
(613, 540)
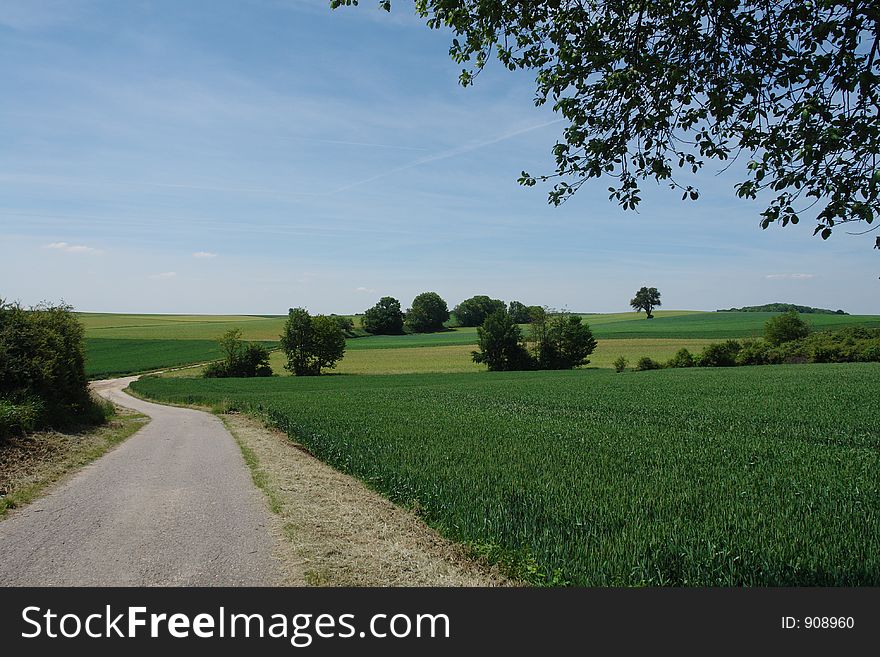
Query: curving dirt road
(173, 505)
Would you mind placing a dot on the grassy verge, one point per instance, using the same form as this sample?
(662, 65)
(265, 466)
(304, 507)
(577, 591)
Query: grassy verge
(337, 532)
(482, 563)
(32, 463)
(258, 475)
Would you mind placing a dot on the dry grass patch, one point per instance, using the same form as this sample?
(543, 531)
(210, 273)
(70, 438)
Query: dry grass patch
(30, 464)
(337, 532)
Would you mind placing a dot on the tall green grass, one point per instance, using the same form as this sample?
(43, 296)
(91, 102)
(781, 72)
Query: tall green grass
(754, 476)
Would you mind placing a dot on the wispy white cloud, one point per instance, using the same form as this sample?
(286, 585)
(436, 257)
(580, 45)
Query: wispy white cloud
(363, 143)
(451, 152)
(164, 276)
(790, 277)
(365, 289)
(204, 254)
(73, 248)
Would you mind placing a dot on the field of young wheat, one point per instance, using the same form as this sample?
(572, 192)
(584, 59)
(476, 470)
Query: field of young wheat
(753, 476)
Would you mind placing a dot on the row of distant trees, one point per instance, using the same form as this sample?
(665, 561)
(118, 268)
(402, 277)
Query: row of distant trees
(429, 312)
(315, 343)
(557, 341)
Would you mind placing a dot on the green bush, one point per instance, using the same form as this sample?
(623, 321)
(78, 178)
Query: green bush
(501, 344)
(561, 341)
(311, 343)
(474, 311)
(785, 327)
(720, 354)
(757, 352)
(620, 364)
(428, 313)
(682, 358)
(848, 345)
(19, 418)
(385, 318)
(853, 344)
(345, 322)
(557, 342)
(42, 368)
(519, 312)
(870, 354)
(830, 353)
(241, 359)
(647, 363)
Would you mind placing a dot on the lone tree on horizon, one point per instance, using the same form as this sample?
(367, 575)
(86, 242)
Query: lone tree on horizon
(647, 298)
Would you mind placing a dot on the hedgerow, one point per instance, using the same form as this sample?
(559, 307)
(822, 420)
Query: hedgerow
(42, 370)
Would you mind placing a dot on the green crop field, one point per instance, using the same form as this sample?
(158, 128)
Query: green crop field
(608, 326)
(746, 476)
(457, 358)
(179, 327)
(710, 325)
(673, 324)
(660, 337)
(115, 357)
(451, 337)
(118, 344)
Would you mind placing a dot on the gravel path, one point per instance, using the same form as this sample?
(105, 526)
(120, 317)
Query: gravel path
(173, 505)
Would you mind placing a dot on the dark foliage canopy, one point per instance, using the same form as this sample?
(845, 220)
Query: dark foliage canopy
(240, 358)
(651, 89)
(473, 311)
(519, 312)
(562, 341)
(42, 369)
(782, 308)
(785, 328)
(501, 345)
(559, 341)
(345, 322)
(428, 313)
(385, 318)
(647, 298)
(311, 343)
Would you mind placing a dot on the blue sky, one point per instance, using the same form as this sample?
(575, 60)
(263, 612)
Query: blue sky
(250, 156)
